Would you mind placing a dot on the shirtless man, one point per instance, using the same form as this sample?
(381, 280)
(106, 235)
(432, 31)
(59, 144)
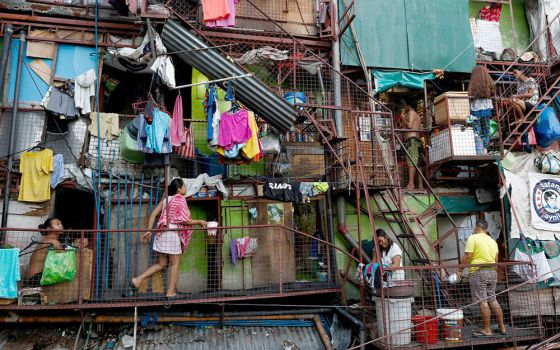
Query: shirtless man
(50, 240)
(414, 146)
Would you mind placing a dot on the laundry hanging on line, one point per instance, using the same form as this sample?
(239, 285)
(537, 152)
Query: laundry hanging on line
(84, 90)
(35, 168)
(108, 125)
(219, 13)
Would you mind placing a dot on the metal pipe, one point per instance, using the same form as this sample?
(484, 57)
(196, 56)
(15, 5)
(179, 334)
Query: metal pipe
(129, 319)
(4, 58)
(6, 200)
(355, 322)
(251, 313)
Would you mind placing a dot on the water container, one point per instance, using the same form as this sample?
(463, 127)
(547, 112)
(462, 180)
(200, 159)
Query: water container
(398, 316)
(451, 324)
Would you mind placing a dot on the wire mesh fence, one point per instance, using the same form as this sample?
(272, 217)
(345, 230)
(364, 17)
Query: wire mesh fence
(431, 307)
(111, 268)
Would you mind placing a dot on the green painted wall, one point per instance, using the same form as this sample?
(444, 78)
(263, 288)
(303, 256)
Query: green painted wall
(519, 21)
(235, 213)
(416, 204)
(193, 268)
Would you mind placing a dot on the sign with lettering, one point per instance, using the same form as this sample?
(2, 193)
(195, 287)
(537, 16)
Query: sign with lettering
(545, 201)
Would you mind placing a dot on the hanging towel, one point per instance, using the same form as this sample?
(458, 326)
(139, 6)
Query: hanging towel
(233, 251)
(108, 125)
(178, 136)
(165, 69)
(9, 272)
(58, 170)
(186, 151)
(246, 247)
(35, 168)
(84, 90)
(229, 21)
(526, 272)
(214, 9)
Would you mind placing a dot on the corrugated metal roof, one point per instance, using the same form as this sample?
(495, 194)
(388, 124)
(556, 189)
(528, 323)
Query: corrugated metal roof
(232, 338)
(250, 91)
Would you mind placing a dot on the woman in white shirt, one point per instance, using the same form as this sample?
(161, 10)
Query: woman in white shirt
(391, 254)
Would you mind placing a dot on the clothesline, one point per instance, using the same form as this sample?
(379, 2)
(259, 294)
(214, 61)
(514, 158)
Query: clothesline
(213, 81)
(201, 49)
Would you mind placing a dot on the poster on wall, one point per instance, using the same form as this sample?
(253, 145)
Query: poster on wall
(275, 214)
(544, 193)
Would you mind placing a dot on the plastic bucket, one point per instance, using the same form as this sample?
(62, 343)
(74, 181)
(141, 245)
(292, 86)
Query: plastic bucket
(211, 230)
(451, 325)
(425, 329)
(398, 314)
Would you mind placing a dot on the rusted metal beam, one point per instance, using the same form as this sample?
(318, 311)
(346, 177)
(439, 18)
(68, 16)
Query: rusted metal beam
(256, 38)
(104, 26)
(106, 305)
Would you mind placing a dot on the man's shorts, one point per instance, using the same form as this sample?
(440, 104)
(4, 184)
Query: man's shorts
(413, 148)
(483, 284)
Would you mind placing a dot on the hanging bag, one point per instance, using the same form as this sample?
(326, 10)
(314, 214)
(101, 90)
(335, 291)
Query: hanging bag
(283, 162)
(186, 151)
(60, 266)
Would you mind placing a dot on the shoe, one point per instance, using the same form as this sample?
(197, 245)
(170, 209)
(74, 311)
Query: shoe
(482, 335)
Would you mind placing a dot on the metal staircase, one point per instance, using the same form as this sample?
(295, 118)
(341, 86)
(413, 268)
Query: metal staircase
(373, 173)
(548, 79)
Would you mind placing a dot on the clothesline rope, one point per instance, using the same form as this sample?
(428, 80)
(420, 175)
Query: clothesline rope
(213, 81)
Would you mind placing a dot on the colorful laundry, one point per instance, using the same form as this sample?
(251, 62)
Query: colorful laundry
(228, 21)
(215, 9)
(9, 273)
(35, 168)
(178, 136)
(234, 128)
(58, 170)
(108, 125)
(155, 137)
(246, 247)
(84, 90)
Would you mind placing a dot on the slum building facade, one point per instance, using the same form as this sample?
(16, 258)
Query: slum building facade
(323, 162)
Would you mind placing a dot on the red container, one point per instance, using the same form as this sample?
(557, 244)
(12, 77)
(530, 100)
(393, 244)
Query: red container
(425, 329)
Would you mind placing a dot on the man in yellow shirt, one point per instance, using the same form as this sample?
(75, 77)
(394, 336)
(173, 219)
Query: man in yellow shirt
(482, 249)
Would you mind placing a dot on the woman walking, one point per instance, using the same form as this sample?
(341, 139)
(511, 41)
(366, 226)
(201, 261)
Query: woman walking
(170, 244)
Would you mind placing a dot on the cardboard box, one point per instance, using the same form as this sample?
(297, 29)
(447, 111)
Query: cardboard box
(452, 106)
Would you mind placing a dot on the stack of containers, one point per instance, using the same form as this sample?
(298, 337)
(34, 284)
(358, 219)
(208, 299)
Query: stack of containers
(452, 109)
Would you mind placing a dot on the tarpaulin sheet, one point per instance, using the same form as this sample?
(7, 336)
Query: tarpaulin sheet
(384, 80)
(412, 34)
(462, 204)
(517, 178)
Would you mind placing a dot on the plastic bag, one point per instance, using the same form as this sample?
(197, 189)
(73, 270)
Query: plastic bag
(547, 129)
(270, 143)
(283, 163)
(60, 266)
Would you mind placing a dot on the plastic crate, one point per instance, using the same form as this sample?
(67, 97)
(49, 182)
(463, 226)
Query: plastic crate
(457, 141)
(452, 106)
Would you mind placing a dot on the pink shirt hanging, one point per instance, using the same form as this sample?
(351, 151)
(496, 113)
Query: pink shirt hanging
(234, 129)
(214, 9)
(177, 125)
(229, 21)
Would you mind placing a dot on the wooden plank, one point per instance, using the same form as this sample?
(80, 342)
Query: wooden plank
(274, 262)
